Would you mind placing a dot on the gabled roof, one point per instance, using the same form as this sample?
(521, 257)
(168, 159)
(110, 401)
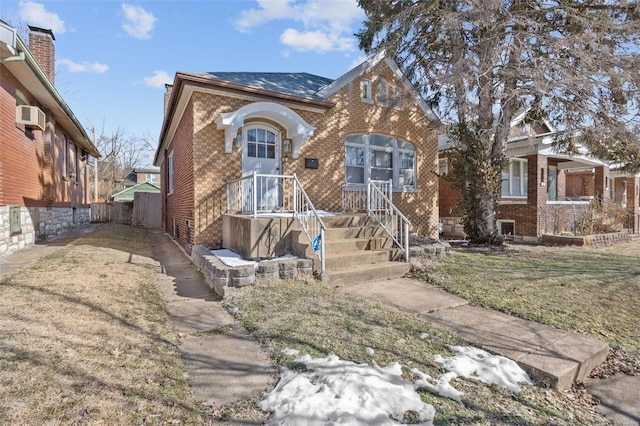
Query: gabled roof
(128, 194)
(292, 89)
(292, 83)
(365, 66)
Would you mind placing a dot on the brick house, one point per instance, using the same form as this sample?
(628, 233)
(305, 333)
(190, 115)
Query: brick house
(140, 175)
(44, 150)
(543, 191)
(369, 123)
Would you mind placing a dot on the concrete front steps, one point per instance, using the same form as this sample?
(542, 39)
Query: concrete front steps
(357, 250)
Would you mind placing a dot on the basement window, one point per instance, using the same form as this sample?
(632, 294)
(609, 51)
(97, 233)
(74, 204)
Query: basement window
(15, 226)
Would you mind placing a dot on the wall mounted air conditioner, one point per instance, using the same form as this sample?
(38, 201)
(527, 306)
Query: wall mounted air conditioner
(30, 116)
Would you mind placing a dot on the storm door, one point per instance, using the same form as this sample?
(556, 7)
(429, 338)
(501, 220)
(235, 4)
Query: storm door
(261, 153)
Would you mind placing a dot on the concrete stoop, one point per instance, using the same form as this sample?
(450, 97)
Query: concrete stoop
(221, 277)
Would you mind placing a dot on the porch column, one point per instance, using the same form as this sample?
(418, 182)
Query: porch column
(537, 195)
(601, 183)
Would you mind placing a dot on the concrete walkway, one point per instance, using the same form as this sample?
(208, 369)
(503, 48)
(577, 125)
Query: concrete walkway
(225, 364)
(553, 356)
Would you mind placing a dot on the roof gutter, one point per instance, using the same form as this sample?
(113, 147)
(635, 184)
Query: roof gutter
(183, 79)
(33, 64)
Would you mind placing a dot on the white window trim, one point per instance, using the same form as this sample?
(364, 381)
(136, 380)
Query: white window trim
(500, 222)
(397, 99)
(382, 91)
(395, 150)
(523, 183)
(65, 153)
(366, 91)
(170, 172)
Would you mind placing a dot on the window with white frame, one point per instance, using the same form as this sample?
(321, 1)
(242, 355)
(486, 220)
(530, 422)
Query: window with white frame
(397, 98)
(261, 143)
(170, 172)
(382, 91)
(365, 86)
(514, 178)
(380, 157)
(63, 156)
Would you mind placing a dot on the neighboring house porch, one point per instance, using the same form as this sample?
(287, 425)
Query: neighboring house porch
(545, 192)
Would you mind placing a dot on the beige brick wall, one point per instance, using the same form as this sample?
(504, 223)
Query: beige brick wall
(213, 167)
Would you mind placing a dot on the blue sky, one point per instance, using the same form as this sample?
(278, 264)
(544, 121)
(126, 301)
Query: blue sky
(114, 57)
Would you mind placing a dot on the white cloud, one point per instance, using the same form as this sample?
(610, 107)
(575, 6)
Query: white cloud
(35, 14)
(138, 23)
(318, 40)
(96, 67)
(158, 79)
(326, 24)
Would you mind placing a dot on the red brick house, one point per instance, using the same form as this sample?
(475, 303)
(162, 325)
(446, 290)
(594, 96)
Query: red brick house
(44, 150)
(543, 191)
(332, 134)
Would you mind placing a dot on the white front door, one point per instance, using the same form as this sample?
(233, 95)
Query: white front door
(261, 153)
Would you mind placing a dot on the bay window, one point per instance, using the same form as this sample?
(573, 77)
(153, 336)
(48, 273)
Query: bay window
(380, 157)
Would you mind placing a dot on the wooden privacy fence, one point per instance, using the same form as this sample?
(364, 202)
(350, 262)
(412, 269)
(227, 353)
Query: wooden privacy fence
(145, 210)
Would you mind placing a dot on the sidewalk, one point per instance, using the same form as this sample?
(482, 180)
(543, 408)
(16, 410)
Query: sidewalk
(225, 364)
(548, 354)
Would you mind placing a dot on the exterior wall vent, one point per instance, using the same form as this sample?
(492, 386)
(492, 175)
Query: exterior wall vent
(30, 116)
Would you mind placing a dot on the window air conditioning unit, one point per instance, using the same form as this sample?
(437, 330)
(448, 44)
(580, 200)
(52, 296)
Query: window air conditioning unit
(30, 116)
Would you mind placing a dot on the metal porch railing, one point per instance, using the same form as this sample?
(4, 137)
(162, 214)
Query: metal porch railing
(268, 194)
(376, 198)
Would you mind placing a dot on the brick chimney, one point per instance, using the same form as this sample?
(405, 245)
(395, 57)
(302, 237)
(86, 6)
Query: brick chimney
(42, 48)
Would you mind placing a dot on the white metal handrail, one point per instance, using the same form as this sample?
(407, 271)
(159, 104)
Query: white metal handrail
(380, 207)
(354, 195)
(311, 223)
(267, 194)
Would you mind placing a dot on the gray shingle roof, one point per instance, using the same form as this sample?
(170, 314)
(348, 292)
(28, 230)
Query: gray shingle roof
(292, 83)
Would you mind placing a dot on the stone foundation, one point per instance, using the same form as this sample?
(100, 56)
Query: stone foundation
(221, 277)
(37, 223)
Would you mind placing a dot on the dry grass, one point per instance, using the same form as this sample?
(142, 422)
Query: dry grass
(595, 292)
(314, 319)
(85, 338)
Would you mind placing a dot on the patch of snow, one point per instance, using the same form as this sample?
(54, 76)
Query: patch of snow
(334, 391)
(231, 310)
(474, 363)
(343, 392)
(284, 257)
(441, 386)
(230, 258)
(290, 352)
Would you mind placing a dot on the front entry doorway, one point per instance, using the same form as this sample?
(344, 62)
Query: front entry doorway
(261, 153)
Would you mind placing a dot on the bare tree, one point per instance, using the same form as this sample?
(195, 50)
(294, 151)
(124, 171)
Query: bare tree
(121, 153)
(481, 62)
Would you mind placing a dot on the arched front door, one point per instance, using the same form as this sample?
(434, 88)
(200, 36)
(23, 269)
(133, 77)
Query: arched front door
(261, 153)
